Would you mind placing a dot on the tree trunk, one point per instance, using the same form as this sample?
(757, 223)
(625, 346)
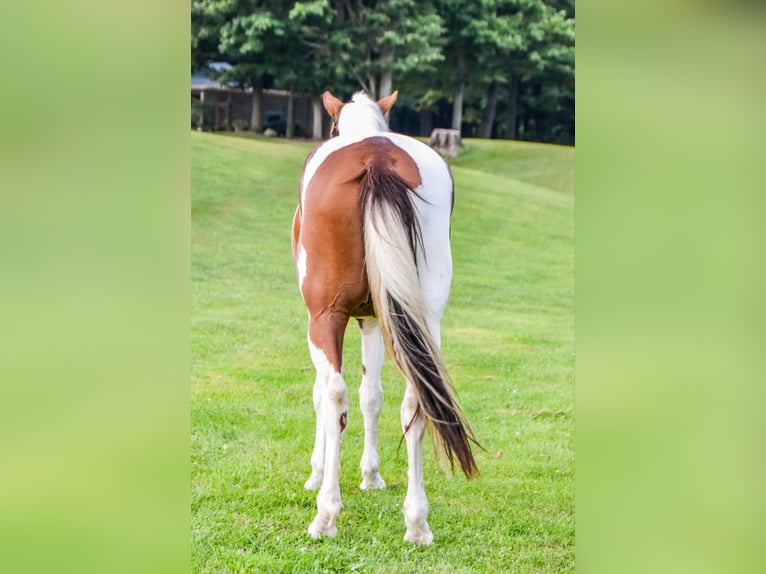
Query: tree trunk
(371, 87)
(227, 123)
(386, 84)
(201, 120)
(485, 131)
(511, 113)
(446, 142)
(457, 104)
(256, 115)
(339, 12)
(386, 76)
(290, 129)
(316, 118)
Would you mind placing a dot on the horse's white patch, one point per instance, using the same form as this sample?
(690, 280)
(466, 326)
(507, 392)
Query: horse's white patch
(361, 116)
(436, 188)
(301, 264)
(320, 360)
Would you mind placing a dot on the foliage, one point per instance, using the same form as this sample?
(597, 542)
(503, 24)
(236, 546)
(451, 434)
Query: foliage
(507, 338)
(430, 48)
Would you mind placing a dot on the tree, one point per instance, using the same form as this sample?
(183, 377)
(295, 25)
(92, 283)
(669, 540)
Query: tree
(492, 46)
(478, 36)
(547, 71)
(505, 36)
(310, 45)
(367, 41)
(243, 33)
(484, 57)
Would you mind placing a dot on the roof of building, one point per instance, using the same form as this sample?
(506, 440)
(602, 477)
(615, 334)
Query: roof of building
(202, 80)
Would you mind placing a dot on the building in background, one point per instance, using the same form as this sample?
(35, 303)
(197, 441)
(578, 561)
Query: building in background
(220, 106)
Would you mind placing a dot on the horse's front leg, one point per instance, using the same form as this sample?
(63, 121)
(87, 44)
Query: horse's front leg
(371, 401)
(415, 503)
(332, 420)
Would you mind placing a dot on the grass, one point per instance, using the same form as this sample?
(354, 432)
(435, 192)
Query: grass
(508, 342)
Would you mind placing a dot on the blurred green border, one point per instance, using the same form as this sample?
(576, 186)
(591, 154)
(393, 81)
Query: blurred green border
(94, 295)
(669, 287)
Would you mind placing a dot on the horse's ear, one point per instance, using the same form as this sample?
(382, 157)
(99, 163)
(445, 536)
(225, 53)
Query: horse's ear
(386, 103)
(331, 104)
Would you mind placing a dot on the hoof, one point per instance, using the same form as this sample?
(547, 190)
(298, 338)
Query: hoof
(423, 537)
(322, 527)
(374, 482)
(314, 482)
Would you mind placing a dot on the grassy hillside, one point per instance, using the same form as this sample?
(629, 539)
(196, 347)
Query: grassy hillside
(507, 339)
(543, 165)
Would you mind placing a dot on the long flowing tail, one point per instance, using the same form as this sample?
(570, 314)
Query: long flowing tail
(391, 238)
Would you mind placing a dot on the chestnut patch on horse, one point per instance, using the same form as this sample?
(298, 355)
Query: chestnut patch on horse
(331, 230)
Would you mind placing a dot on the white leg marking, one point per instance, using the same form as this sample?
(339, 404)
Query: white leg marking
(371, 402)
(415, 507)
(334, 414)
(322, 366)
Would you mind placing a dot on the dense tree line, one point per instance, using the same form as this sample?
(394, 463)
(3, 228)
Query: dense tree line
(492, 68)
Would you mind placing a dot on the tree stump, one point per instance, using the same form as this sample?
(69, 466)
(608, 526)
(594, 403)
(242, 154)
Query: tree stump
(446, 142)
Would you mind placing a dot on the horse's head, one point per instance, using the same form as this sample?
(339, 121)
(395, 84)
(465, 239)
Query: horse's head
(361, 115)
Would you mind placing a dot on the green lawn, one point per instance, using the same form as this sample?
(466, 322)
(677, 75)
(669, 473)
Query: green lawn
(507, 338)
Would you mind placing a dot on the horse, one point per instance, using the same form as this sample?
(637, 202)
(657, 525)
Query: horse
(371, 240)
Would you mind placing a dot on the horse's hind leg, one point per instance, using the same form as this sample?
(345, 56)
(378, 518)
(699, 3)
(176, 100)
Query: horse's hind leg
(324, 337)
(317, 457)
(415, 503)
(371, 401)
(435, 275)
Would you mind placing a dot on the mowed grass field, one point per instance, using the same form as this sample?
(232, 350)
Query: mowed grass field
(507, 337)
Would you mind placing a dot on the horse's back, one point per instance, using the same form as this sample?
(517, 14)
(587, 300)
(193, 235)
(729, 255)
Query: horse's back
(354, 151)
(331, 234)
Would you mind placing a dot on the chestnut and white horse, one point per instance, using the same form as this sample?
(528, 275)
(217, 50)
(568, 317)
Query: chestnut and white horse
(371, 240)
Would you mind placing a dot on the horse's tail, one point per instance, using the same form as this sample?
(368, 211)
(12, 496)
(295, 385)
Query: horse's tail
(391, 238)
